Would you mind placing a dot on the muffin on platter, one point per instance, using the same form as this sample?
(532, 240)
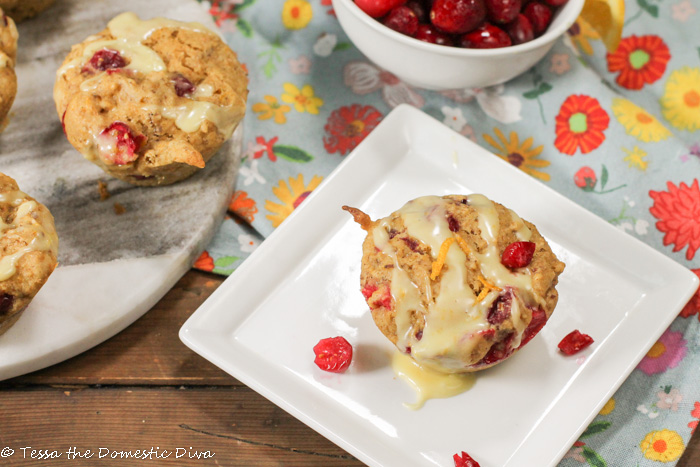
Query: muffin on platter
(28, 249)
(460, 283)
(8, 55)
(150, 101)
(20, 10)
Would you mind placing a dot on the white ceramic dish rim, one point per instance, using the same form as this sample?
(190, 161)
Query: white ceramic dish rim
(572, 9)
(212, 342)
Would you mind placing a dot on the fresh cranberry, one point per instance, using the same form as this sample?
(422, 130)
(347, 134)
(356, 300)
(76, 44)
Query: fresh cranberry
(520, 30)
(502, 11)
(539, 15)
(419, 9)
(378, 8)
(368, 290)
(402, 19)
(518, 254)
(499, 351)
(452, 223)
(465, 460)
(183, 86)
(537, 322)
(63, 122)
(574, 342)
(384, 299)
(457, 16)
(556, 3)
(333, 354)
(500, 308)
(6, 302)
(105, 59)
(429, 33)
(123, 142)
(486, 36)
(411, 242)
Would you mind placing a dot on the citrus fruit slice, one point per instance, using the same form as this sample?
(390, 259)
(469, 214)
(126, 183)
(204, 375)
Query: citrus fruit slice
(606, 17)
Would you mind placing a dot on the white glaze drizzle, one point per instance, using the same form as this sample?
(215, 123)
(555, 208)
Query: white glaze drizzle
(190, 116)
(454, 316)
(5, 60)
(130, 32)
(428, 383)
(25, 219)
(203, 90)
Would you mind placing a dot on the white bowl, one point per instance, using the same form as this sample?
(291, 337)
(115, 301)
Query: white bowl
(439, 67)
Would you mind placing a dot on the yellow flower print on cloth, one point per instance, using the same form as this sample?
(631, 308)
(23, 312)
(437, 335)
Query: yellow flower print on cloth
(680, 103)
(635, 158)
(291, 197)
(638, 122)
(662, 446)
(296, 14)
(608, 407)
(523, 156)
(271, 109)
(303, 99)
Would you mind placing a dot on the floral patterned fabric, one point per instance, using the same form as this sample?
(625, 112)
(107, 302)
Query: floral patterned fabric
(615, 132)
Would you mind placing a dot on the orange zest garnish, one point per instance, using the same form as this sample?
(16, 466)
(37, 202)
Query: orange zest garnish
(440, 261)
(442, 254)
(488, 287)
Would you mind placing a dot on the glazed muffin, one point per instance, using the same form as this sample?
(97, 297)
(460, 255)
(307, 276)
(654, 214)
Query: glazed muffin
(460, 283)
(150, 101)
(8, 55)
(20, 10)
(28, 249)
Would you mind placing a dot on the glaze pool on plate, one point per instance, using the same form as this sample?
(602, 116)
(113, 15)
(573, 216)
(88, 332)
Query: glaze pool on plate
(302, 284)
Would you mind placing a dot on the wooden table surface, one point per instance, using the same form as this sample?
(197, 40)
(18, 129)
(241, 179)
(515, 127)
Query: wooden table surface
(143, 389)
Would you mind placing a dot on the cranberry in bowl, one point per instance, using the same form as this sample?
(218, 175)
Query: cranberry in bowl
(444, 57)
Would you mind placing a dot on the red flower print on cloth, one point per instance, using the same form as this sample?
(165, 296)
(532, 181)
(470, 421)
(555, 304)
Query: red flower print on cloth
(640, 60)
(580, 125)
(678, 211)
(666, 353)
(693, 306)
(348, 126)
(585, 178)
(267, 147)
(694, 413)
(221, 11)
(242, 206)
(328, 3)
(204, 262)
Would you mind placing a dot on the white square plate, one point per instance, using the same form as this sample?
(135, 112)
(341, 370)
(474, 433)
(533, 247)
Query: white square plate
(302, 284)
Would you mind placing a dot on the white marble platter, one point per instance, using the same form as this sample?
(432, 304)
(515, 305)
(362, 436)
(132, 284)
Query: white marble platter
(112, 268)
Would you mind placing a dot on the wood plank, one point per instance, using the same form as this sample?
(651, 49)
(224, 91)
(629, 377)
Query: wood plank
(234, 423)
(691, 456)
(147, 352)
(240, 427)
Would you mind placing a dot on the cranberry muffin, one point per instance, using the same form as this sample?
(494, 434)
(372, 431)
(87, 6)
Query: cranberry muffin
(20, 10)
(150, 101)
(28, 249)
(460, 283)
(8, 55)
